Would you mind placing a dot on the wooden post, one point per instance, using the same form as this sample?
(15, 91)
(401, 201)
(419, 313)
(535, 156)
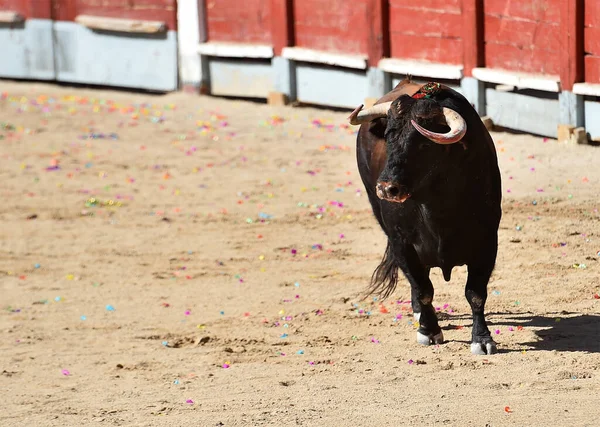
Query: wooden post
(571, 52)
(473, 36)
(379, 35)
(282, 25)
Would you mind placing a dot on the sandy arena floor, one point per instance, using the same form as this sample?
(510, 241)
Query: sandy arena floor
(191, 261)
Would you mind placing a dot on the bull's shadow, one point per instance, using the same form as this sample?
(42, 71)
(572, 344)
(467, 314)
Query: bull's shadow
(564, 331)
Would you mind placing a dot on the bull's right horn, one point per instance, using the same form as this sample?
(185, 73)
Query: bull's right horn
(376, 111)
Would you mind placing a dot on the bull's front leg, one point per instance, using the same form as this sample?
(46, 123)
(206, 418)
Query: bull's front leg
(429, 331)
(476, 294)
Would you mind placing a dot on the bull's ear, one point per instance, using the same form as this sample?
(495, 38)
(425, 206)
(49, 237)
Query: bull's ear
(378, 126)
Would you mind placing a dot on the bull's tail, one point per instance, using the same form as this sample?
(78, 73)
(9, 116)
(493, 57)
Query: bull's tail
(385, 276)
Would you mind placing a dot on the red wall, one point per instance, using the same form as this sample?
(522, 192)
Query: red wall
(591, 37)
(247, 21)
(332, 25)
(523, 35)
(38, 9)
(150, 10)
(429, 30)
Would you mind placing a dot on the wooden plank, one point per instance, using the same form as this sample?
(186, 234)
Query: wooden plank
(227, 21)
(143, 10)
(592, 13)
(303, 54)
(378, 33)
(235, 50)
(282, 25)
(522, 33)
(592, 68)
(449, 6)
(121, 25)
(10, 17)
(332, 26)
(532, 10)
(472, 36)
(434, 49)
(591, 37)
(530, 60)
(425, 23)
(518, 79)
(419, 68)
(571, 46)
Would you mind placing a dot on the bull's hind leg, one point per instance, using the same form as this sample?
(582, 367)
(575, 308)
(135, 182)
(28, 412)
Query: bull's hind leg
(429, 331)
(476, 294)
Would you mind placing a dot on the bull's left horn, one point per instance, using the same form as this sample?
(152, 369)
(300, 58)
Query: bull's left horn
(376, 111)
(458, 128)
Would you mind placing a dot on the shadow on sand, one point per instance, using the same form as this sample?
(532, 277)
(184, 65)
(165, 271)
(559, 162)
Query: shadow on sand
(564, 331)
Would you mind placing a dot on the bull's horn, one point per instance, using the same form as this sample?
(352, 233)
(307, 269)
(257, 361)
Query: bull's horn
(458, 128)
(376, 111)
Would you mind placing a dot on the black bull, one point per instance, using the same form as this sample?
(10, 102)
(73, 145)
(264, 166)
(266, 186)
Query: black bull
(437, 198)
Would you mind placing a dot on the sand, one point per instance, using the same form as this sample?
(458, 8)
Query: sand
(175, 260)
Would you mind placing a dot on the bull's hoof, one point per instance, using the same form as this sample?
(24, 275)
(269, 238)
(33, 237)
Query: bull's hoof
(484, 348)
(430, 339)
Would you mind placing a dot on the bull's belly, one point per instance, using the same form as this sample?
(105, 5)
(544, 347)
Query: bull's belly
(440, 256)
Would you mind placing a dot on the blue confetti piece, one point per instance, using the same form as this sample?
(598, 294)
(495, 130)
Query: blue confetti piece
(221, 312)
(36, 266)
(176, 382)
(83, 317)
(297, 284)
(165, 343)
(283, 336)
(110, 308)
(300, 352)
(57, 299)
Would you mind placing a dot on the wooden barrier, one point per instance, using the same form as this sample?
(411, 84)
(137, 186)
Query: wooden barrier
(529, 64)
(120, 43)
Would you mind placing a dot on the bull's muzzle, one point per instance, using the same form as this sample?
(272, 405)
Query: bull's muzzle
(392, 192)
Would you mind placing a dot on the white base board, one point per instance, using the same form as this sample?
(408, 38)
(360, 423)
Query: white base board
(143, 61)
(26, 50)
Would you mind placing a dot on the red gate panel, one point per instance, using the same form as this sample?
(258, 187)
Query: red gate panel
(29, 9)
(591, 37)
(429, 30)
(332, 25)
(523, 35)
(147, 10)
(236, 21)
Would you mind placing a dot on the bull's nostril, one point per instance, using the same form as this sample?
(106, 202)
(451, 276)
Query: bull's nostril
(393, 190)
